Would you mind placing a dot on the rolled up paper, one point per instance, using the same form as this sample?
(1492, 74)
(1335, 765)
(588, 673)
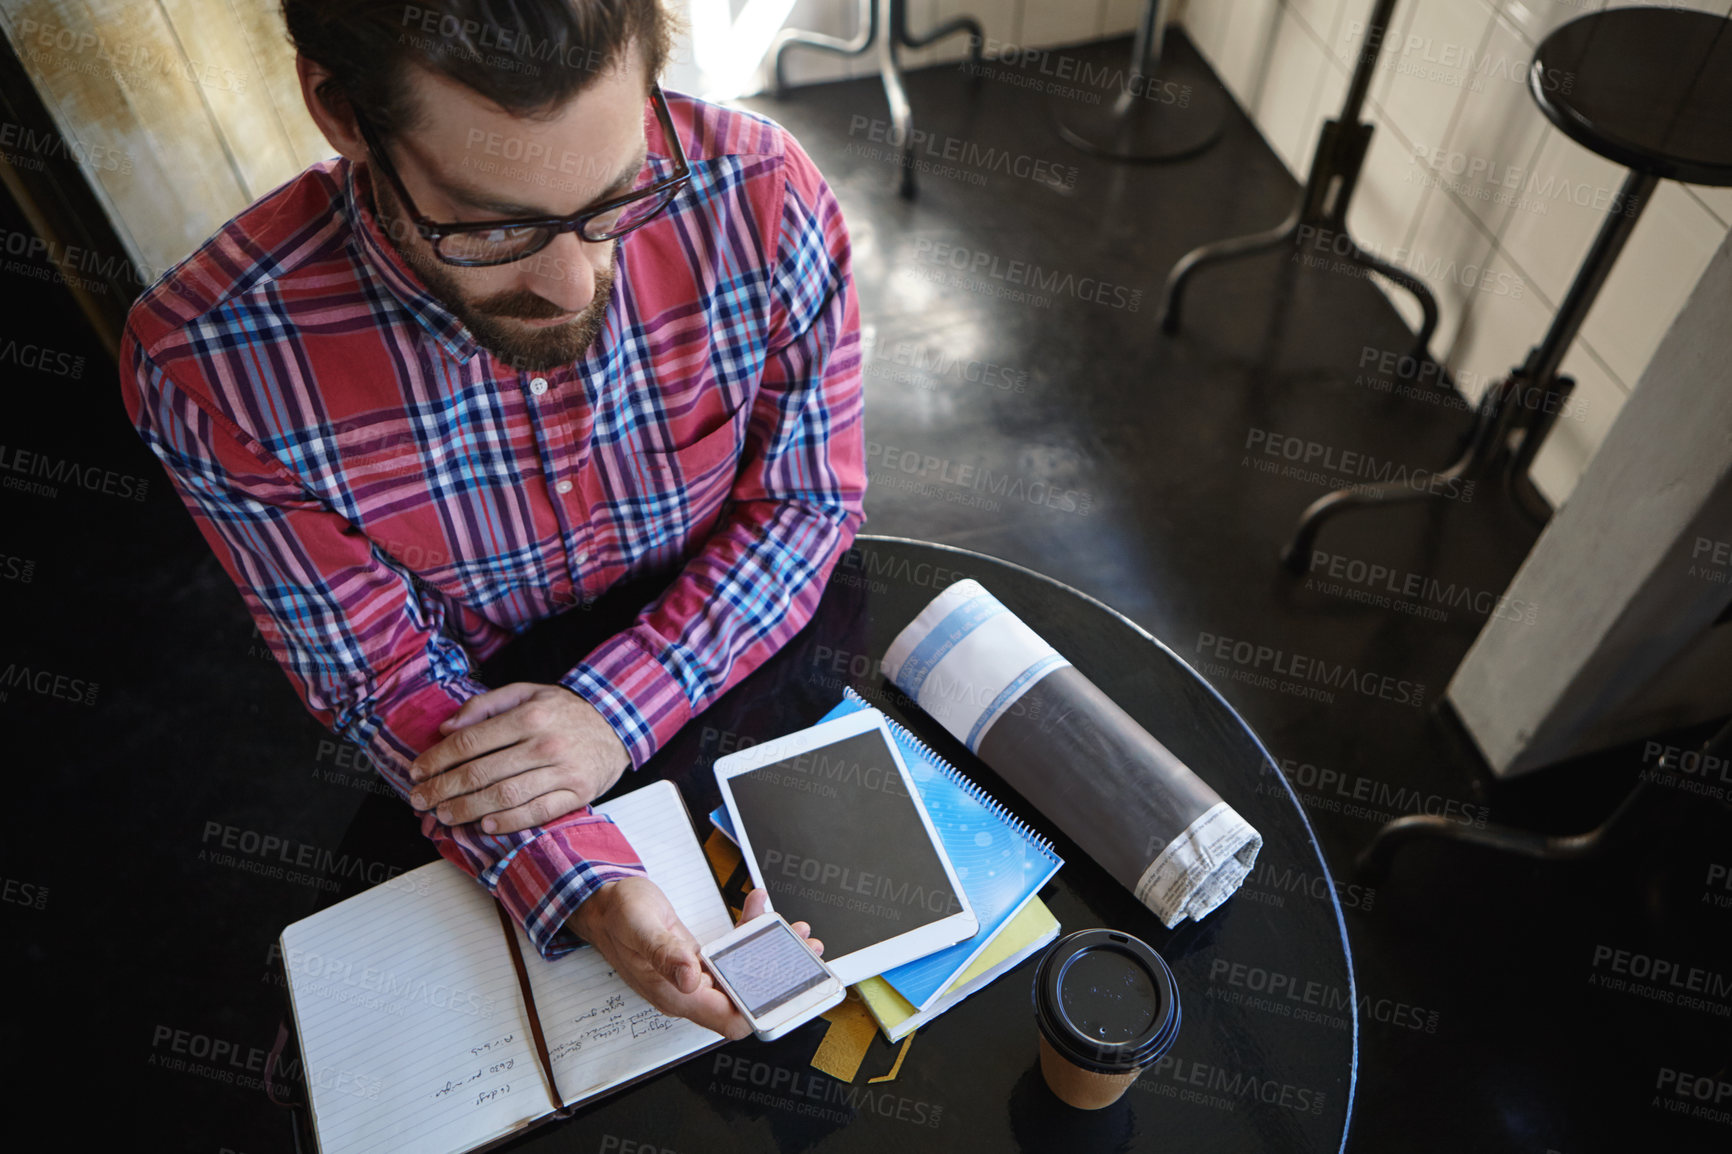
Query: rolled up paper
(1121, 795)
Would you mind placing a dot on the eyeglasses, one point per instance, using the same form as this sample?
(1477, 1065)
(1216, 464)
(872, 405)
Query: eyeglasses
(490, 242)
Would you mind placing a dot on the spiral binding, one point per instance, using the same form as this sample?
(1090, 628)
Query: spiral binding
(961, 780)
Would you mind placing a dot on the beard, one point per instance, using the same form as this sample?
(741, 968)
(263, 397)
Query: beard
(492, 320)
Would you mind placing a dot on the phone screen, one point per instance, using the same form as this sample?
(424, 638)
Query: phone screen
(769, 968)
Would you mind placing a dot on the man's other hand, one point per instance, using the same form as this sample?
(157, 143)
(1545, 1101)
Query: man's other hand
(518, 756)
(634, 926)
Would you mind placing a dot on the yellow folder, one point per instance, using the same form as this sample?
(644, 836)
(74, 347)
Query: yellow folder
(1032, 927)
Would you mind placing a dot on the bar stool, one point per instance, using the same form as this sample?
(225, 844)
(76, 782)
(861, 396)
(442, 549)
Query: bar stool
(1322, 208)
(884, 24)
(1159, 115)
(1650, 88)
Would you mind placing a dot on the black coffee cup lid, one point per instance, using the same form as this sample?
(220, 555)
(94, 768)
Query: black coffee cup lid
(1106, 1001)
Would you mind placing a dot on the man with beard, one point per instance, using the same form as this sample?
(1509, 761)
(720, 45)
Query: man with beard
(538, 329)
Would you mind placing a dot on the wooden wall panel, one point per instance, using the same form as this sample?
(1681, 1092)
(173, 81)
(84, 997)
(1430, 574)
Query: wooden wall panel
(191, 105)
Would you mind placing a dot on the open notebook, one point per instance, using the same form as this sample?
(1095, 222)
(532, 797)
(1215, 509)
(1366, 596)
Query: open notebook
(415, 1034)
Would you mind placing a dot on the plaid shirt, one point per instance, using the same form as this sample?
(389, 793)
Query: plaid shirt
(395, 504)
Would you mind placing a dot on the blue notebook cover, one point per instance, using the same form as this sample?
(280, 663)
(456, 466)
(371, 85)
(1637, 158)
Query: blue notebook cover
(1000, 862)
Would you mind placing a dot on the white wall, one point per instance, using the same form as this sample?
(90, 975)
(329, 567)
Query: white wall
(1499, 259)
(1031, 23)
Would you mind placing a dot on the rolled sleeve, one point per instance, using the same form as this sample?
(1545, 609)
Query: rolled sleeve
(633, 692)
(542, 882)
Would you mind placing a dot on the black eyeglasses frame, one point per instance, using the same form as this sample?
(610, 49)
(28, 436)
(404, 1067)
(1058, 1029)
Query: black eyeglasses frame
(435, 231)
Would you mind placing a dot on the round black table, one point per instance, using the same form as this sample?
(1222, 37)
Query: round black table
(1266, 1057)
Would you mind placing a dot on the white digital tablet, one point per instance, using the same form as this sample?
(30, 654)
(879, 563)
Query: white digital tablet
(831, 826)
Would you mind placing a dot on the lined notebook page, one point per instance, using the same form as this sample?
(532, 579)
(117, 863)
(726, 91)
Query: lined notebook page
(599, 1031)
(411, 1023)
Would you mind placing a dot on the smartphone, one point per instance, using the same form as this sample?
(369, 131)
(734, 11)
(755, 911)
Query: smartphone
(772, 975)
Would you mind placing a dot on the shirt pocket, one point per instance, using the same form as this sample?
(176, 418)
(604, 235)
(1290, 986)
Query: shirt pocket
(682, 491)
(699, 465)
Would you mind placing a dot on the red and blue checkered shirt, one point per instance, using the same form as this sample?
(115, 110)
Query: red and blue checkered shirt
(395, 504)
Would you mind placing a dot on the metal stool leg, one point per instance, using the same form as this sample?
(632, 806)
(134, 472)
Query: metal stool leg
(1516, 480)
(901, 115)
(968, 24)
(884, 23)
(1506, 408)
(1322, 208)
(895, 35)
(1374, 860)
(1415, 286)
(1493, 421)
(1296, 557)
(1215, 252)
(1147, 123)
(857, 46)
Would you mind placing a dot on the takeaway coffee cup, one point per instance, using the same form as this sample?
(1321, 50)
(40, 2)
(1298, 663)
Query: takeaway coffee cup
(1106, 1006)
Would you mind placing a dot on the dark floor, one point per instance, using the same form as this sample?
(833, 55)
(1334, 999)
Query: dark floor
(1485, 1026)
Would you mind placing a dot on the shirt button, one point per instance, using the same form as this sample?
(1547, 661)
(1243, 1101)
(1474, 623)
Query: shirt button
(538, 386)
(562, 487)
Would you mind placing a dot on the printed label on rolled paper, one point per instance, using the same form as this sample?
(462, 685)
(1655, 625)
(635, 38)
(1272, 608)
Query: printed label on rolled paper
(1201, 868)
(966, 660)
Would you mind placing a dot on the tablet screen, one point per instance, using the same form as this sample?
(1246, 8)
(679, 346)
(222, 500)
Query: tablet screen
(840, 845)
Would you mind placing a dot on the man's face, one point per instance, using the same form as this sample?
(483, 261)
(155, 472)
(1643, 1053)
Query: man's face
(467, 160)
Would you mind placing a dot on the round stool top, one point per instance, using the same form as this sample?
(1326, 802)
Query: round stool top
(1650, 88)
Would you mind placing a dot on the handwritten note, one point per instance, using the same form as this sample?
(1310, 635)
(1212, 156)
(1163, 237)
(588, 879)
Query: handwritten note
(599, 1031)
(411, 1023)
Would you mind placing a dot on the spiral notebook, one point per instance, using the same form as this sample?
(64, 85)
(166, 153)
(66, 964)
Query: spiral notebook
(1001, 862)
(428, 1022)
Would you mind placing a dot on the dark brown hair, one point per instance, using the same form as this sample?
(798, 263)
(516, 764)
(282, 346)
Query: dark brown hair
(527, 56)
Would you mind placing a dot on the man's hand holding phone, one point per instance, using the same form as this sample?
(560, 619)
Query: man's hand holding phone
(634, 926)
